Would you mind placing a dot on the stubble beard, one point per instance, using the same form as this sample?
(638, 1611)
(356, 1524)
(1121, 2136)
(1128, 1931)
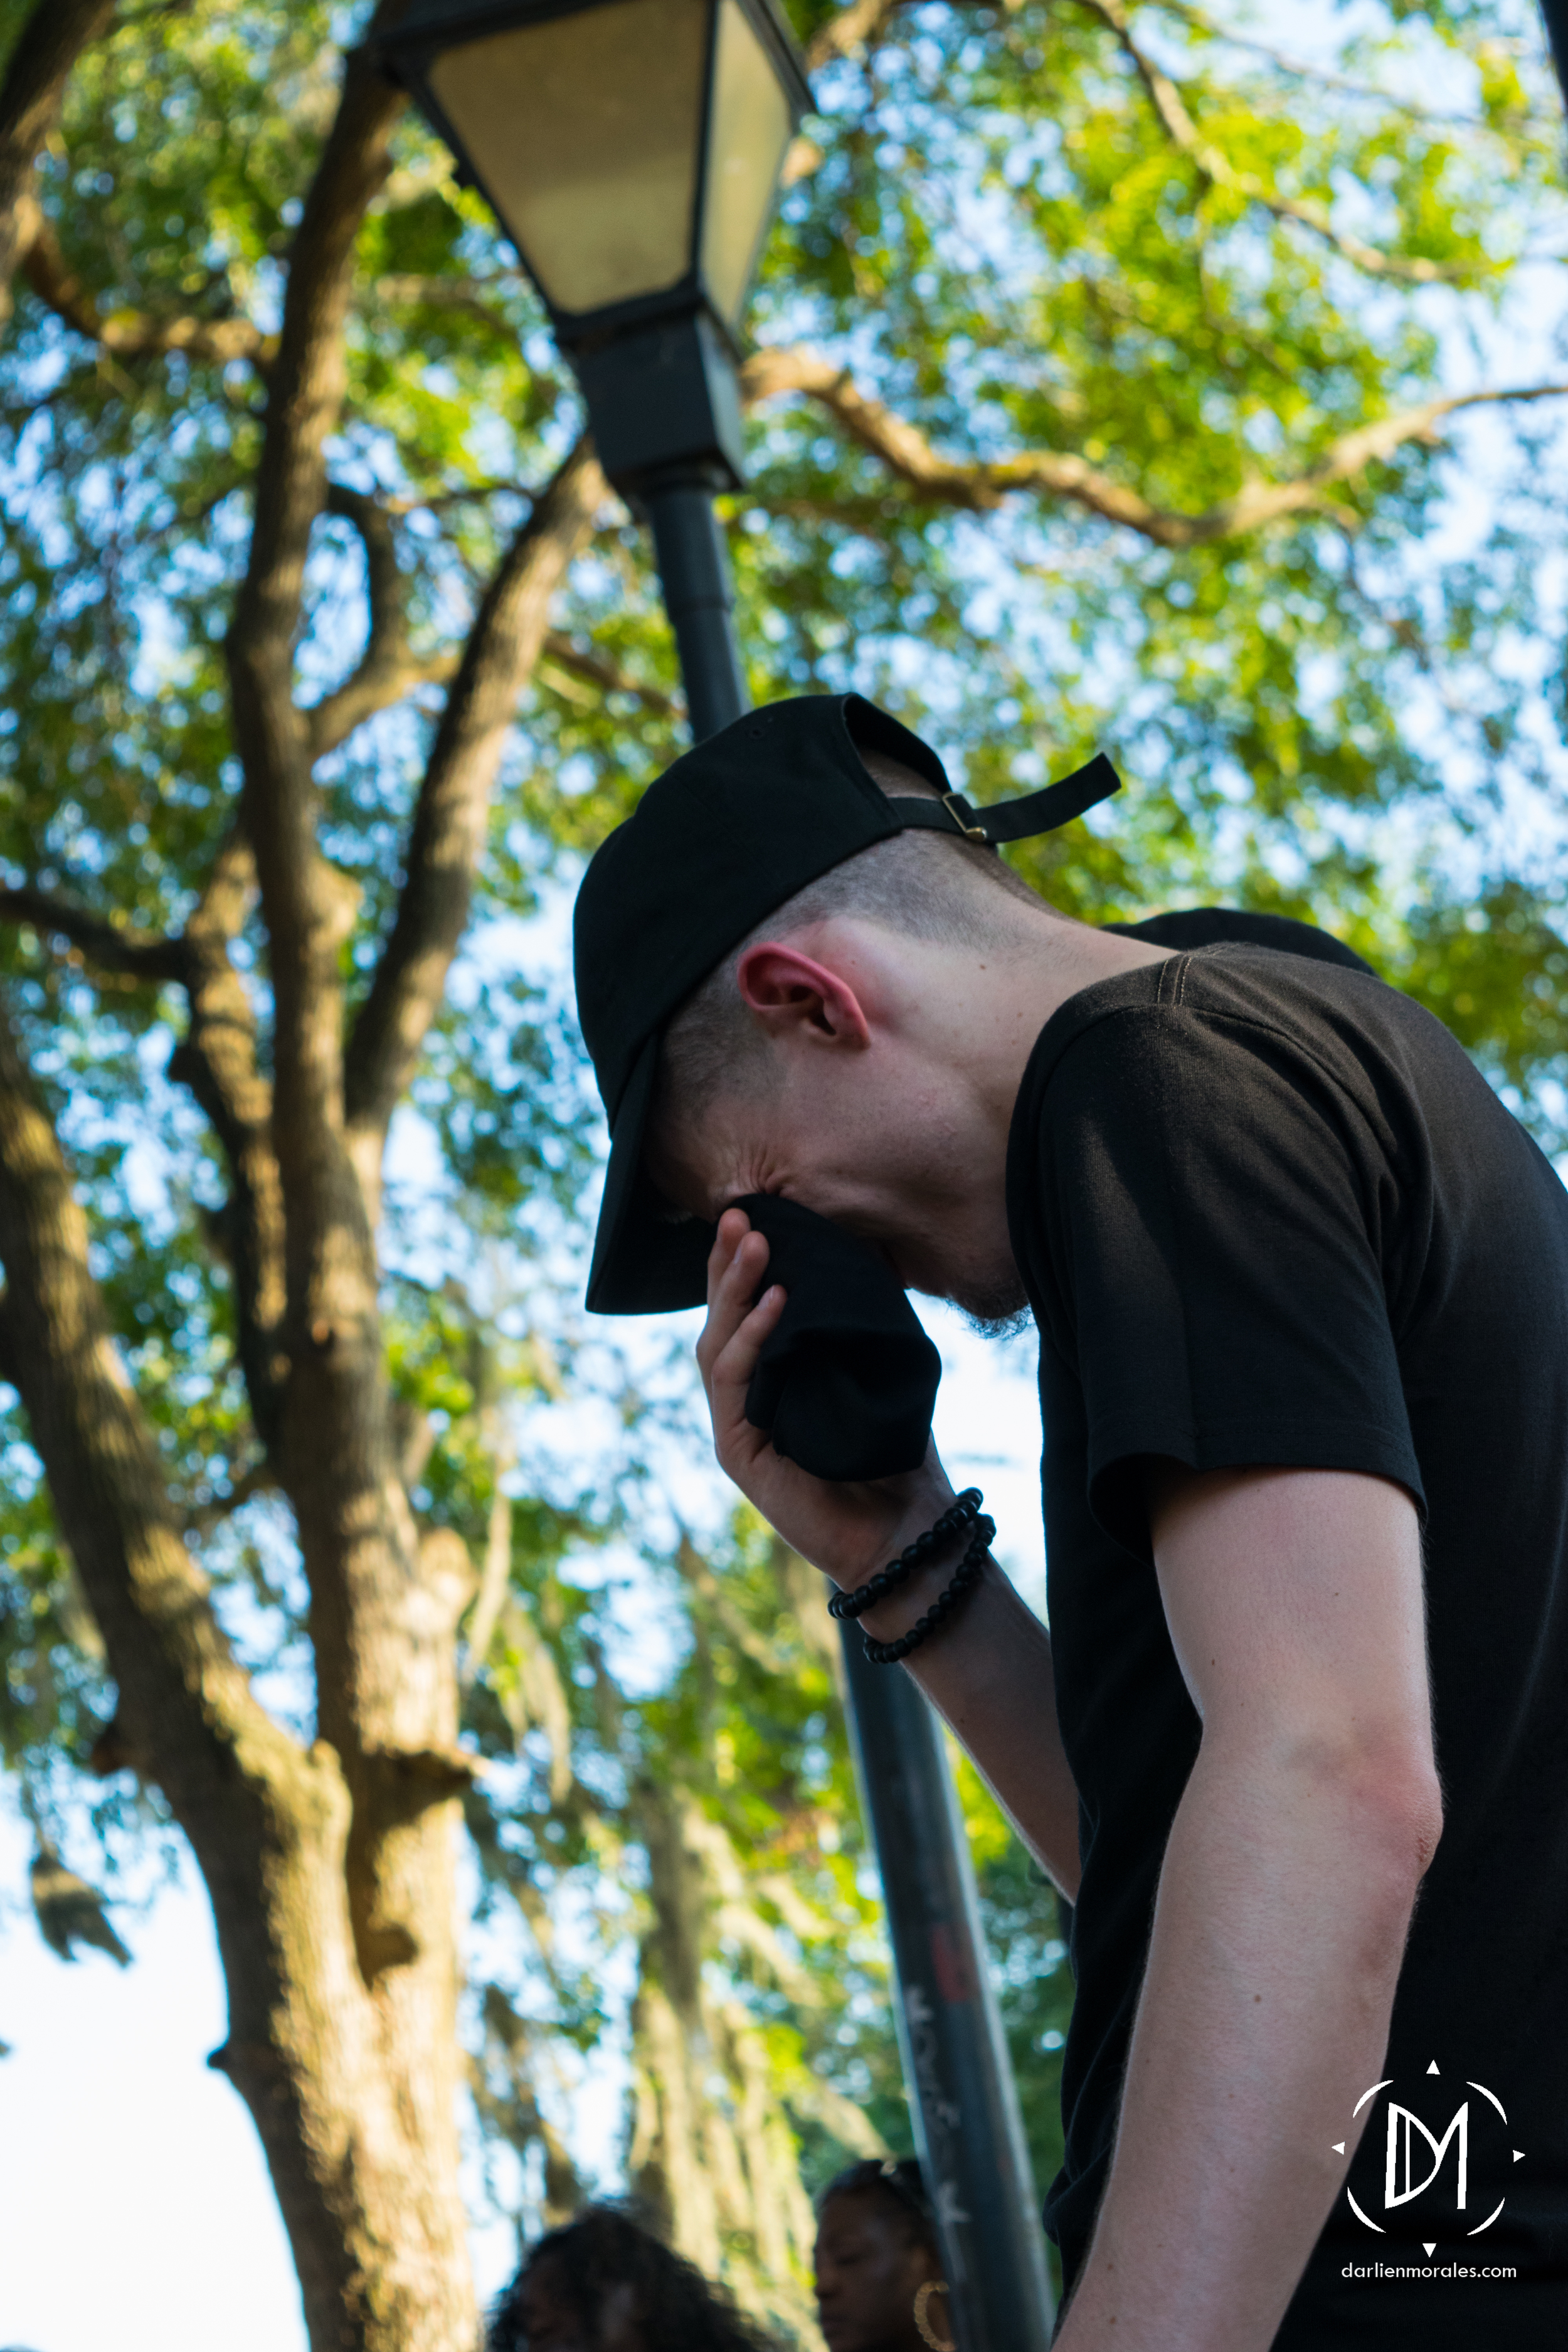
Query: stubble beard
(994, 1305)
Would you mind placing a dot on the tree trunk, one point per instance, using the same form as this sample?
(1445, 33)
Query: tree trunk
(37, 71)
(711, 2157)
(331, 1870)
(352, 2083)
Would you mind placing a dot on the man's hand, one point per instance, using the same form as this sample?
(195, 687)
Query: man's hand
(988, 1672)
(849, 1528)
(1295, 1602)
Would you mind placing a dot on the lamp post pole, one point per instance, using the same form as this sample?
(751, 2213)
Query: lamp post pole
(695, 578)
(964, 2100)
(631, 150)
(963, 2097)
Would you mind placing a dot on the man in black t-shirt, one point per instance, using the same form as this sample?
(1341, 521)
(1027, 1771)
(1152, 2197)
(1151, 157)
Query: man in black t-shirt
(1296, 1743)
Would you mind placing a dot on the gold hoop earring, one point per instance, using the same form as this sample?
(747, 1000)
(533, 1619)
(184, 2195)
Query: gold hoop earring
(922, 2317)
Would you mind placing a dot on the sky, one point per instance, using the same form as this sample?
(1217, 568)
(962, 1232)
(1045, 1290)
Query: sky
(134, 2205)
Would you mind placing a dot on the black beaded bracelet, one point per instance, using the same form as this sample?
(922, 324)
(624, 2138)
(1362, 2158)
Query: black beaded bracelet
(887, 1580)
(964, 1577)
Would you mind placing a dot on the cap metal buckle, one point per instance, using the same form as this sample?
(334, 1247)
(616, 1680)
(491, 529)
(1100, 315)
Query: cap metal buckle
(957, 810)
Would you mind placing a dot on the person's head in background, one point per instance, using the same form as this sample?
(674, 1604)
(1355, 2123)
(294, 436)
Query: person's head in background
(879, 2274)
(605, 2283)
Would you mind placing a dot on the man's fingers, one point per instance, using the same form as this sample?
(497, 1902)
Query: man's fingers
(736, 1331)
(737, 1360)
(728, 1234)
(732, 1325)
(735, 1271)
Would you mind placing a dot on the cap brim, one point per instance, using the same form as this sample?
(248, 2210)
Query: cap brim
(645, 1263)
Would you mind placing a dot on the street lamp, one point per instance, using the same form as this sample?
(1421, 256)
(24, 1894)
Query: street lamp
(631, 150)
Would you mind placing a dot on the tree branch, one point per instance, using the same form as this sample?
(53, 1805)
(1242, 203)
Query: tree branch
(448, 828)
(388, 670)
(182, 1694)
(142, 955)
(385, 671)
(558, 652)
(448, 293)
(31, 97)
(981, 485)
(1219, 172)
(853, 30)
(303, 900)
(862, 23)
(1303, 70)
(203, 1518)
(595, 669)
(333, 720)
(710, 1590)
(310, 375)
(127, 334)
(455, 495)
(217, 1060)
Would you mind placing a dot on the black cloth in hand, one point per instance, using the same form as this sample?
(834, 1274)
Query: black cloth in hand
(847, 1379)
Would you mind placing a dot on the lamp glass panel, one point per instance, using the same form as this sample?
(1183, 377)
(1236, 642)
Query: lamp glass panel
(749, 133)
(584, 131)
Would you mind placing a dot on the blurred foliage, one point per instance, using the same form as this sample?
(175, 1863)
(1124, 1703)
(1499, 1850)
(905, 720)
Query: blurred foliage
(1352, 713)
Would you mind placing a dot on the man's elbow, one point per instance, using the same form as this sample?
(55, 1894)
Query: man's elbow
(1381, 1796)
(1404, 1809)
(1390, 1807)
(1390, 1820)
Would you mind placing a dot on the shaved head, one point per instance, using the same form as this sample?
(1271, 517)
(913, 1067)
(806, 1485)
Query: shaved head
(928, 886)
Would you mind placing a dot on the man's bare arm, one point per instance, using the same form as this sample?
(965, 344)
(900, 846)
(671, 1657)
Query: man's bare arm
(1294, 1599)
(989, 1671)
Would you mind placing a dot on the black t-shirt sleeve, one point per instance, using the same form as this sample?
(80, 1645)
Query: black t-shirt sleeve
(1215, 1210)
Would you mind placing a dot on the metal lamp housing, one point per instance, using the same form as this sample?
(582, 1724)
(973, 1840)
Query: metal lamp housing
(631, 150)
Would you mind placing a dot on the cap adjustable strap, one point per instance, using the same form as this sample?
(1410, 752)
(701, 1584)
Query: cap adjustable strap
(1018, 820)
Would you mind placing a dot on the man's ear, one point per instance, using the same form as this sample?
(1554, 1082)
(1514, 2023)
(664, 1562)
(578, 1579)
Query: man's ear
(791, 994)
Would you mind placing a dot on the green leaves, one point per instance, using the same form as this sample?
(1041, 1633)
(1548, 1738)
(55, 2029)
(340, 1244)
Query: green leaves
(1130, 239)
(1134, 241)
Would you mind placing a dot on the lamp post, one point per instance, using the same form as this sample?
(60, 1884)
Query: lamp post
(631, 150)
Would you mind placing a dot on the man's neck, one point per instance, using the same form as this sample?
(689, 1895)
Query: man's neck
(991, 1005)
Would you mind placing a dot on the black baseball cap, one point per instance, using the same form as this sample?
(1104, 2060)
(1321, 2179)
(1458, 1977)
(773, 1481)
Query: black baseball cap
(732, 830)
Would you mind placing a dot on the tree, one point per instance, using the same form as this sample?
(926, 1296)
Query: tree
(1097, 392)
